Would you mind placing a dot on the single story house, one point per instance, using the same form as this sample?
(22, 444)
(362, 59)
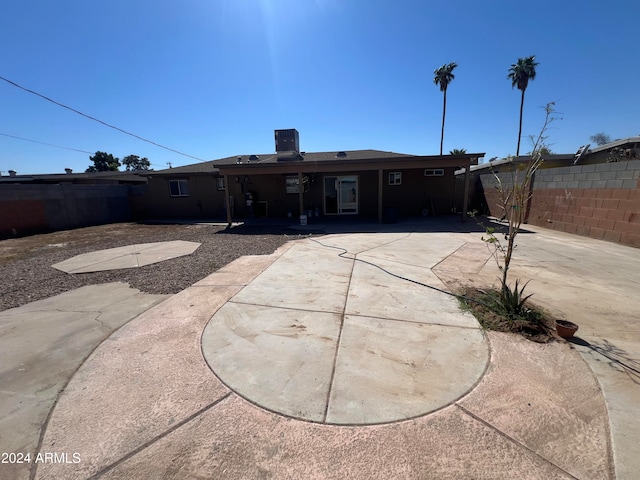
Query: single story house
(48, 202)
(366, 183)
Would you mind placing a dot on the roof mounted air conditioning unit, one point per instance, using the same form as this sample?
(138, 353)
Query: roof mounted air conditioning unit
(287, 140)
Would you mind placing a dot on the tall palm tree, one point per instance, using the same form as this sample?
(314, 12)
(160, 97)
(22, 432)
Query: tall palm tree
(443, 77)
(520, 73)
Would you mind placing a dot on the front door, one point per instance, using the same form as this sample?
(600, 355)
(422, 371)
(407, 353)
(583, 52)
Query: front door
(341, 195)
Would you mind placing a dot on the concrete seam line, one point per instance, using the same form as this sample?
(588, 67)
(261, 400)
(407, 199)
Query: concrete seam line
(383, 244)
(445, 258)
(297, 309)
(335, 357)
(513, 440)
(43, 428)
(158, 437)
(437, 289)
(414, 322)
(487, 260)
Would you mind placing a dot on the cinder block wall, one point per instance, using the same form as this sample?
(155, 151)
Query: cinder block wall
(490, 188)
(26, 209)
(600, 200)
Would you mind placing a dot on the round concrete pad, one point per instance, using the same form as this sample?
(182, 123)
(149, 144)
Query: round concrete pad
(130, 256)
(376, 350)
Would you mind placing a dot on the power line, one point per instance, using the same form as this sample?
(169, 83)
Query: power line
(99, 121)
(66, 148)
(44, 143)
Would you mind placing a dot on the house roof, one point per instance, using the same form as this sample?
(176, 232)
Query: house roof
(95, 177)
(306, 159)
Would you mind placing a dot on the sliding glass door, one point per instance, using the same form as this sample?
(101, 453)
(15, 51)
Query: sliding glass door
(341, 195)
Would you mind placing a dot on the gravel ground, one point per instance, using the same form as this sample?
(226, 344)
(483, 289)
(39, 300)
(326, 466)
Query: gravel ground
(27, 275)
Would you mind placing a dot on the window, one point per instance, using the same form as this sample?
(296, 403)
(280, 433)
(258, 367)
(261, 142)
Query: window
(434, 172)
(395, 178)
(220, 183)
(179, 188)
(292, 184)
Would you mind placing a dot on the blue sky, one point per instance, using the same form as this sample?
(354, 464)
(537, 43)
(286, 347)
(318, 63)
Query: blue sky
(214, 78)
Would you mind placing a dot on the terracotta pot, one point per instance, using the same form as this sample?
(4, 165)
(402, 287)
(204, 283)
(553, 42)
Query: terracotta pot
(565, 328)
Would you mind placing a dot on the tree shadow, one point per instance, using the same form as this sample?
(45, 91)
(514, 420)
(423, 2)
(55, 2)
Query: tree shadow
(617, 358)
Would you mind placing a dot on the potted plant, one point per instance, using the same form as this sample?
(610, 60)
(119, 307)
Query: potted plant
(565, 328)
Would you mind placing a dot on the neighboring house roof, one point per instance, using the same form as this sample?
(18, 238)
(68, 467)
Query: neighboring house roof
(85, 178)
(495, 164)
(617, 143)
(304, 158)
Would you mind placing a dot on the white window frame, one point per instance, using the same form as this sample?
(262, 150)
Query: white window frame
(434, 172)
(395, 178)
(292, 184)
(220, 184)
(183, 188)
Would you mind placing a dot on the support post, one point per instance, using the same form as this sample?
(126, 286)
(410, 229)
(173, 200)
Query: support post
(227, 188)
(300, 193)
(380, 185)
(465, 198)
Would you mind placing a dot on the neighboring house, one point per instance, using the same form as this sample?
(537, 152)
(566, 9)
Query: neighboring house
(97, 178)
(41, 203)
(617, 151)
(288, 183)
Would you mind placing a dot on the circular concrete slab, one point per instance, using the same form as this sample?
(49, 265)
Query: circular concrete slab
(330, 340)
(358, 370)
(129, 256)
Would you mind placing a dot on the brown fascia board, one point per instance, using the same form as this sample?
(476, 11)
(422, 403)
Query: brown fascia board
(184, 173)
(340, 165)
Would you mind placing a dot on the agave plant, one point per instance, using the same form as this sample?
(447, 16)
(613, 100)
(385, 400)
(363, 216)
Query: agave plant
(512, 301)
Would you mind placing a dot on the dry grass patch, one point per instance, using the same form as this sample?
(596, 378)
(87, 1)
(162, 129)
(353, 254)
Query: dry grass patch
(533, 323)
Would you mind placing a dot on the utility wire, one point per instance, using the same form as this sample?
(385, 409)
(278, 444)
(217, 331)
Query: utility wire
(99, 121)
(44, 143)
(59, 146)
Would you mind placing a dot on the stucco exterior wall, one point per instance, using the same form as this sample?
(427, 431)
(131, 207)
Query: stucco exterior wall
(203, 201)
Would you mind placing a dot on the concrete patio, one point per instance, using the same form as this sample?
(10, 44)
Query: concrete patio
(311, 364)
(130, 256)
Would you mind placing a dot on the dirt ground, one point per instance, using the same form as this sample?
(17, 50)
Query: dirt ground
(27, 275)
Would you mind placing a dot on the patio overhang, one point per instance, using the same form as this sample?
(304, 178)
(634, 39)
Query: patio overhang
(306, 166)
(300, 167)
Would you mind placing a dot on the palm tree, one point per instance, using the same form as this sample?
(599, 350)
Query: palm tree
(520, 73)
(458, 151)
(443, 77)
